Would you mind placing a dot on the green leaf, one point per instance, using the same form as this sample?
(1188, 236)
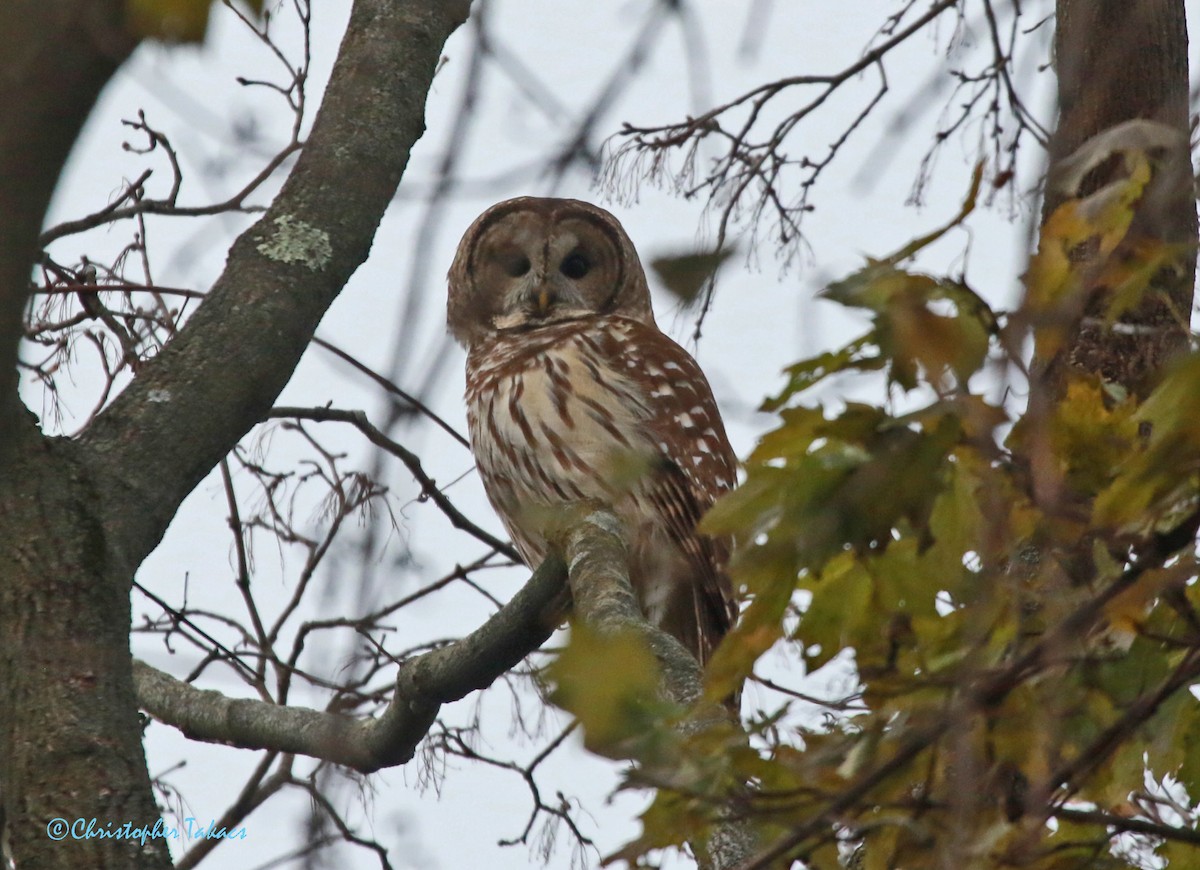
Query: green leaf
(756, 631)
(1179, 855)
(854, 356)
(1086, 230)
(169, 20)
(608, 682)
(841, 612)
(1090, 435)
(684, 275)
(914, 327)
(1160, 471)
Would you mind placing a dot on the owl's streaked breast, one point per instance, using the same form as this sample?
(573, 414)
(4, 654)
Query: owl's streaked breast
(555, 420)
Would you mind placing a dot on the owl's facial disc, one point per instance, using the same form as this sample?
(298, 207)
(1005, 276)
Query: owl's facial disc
(548, 272)
(529, 262)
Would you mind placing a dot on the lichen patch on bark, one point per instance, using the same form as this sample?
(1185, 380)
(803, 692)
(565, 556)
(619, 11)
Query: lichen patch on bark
(294, 241)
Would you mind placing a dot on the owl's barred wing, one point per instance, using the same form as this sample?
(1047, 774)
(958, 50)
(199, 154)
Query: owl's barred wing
(713, 607)
(696, 465)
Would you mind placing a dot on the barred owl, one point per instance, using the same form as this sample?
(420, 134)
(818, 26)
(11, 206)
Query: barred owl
(574, 394)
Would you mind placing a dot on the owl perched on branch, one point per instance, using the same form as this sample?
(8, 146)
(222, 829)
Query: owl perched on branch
(575, 395)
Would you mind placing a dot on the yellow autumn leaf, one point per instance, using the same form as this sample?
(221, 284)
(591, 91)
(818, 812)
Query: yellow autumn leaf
(174, 20)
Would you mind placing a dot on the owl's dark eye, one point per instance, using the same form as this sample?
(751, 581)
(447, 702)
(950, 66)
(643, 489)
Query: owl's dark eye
(575, 265)
(517, 266)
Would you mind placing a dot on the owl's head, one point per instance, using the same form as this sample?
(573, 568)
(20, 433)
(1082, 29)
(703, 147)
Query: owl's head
(530, 262)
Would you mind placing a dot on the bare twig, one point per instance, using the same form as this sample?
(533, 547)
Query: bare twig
(429, 487)
(422, 686)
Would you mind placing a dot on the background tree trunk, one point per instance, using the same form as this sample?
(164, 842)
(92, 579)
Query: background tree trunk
(1118, 61)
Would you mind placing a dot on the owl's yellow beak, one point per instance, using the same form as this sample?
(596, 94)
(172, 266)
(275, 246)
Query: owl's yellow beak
(542, 301)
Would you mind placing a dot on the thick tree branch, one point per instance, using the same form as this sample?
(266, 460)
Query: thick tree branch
(603, 599)
(422, 686)
(220, 376)
(1121, 824)
(597, 562)
(80, 516)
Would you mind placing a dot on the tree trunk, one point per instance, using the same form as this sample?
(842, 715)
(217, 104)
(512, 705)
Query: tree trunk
(1120, 60)
(71, 732)
(70, 740)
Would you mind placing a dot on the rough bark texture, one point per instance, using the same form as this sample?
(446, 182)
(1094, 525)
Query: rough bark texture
(182, 414)
(1119, 60)
(77, 518)
(76, 748)
(71, 732)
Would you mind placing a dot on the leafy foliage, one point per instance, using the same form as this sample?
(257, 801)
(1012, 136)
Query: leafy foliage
(1016, 587)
